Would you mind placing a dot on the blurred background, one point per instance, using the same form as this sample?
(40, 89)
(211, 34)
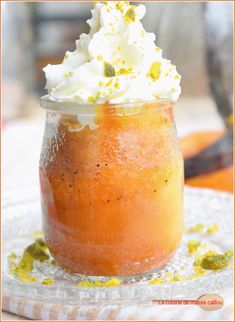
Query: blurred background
(197, 37)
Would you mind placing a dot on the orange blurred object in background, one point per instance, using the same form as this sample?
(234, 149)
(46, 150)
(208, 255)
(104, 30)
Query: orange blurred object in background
(221, 179)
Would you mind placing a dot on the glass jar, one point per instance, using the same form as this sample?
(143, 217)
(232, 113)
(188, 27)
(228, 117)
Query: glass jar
(111, 186)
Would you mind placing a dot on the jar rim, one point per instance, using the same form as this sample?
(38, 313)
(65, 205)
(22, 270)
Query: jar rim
(50, 104)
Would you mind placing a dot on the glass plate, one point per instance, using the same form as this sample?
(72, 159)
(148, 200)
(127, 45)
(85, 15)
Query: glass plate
(22, 217)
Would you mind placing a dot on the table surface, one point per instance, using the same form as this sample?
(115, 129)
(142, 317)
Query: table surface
(22, 141)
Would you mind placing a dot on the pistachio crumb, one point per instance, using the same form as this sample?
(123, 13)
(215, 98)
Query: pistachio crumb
(109, 82)
(229, 253)
(110, 283)
(48, 281)
(193, 246)
(176, 278)
(157, 280)
(214, 262)
(168, 275)
(124, 71)
(109, 70)
(91, 99)
(213, 229)
(68, 74)
(155, 71)
(116, 86)
(130, 15)
(196, 229)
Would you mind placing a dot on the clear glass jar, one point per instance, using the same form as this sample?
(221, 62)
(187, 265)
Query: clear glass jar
(111, 186)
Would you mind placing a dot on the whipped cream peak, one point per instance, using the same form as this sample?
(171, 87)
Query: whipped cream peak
(116, 62)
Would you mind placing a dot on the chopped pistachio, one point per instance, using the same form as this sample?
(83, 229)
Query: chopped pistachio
(98, 95)
(53, 262)
(214, 262)
(11, 261)
(116, 86)
(12, 256)
(199, 271)
(68, 74)
(91, 99)
(155, 71)
(119, 6)
(66, 56)
(113, 282)
(168, 275)
(124, 71)
(213, 229)
(41, 243)
(25, 277)
(193, 246)
(198, 261)
(176, 278)
(109, 70)
(188, 278)
(130, 15)
(229, 253)
(37, 251)
(48, 281)
(26, 263)
(23, 268)
(157, 280)
(109, 82)
(110, 283)
(196, 229)
(177, 76)
(210, 253)
(99, 57)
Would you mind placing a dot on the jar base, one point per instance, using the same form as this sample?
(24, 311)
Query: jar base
(123, 273)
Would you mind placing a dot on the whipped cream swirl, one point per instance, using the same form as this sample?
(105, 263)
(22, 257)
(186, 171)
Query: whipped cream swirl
(116, 62)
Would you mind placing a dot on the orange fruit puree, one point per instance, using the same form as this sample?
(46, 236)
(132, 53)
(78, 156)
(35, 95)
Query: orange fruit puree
(112, 196)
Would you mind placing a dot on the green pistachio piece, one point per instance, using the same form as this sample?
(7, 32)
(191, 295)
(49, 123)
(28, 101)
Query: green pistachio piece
(37, 252)
(155, 70)
(214, 262)
(109, 70)
(130, 15)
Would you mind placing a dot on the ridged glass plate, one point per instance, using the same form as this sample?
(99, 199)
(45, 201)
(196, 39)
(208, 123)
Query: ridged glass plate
(21, 217)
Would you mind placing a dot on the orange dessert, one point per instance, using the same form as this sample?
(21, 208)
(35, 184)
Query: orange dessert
(111, 169)
(112, 196)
